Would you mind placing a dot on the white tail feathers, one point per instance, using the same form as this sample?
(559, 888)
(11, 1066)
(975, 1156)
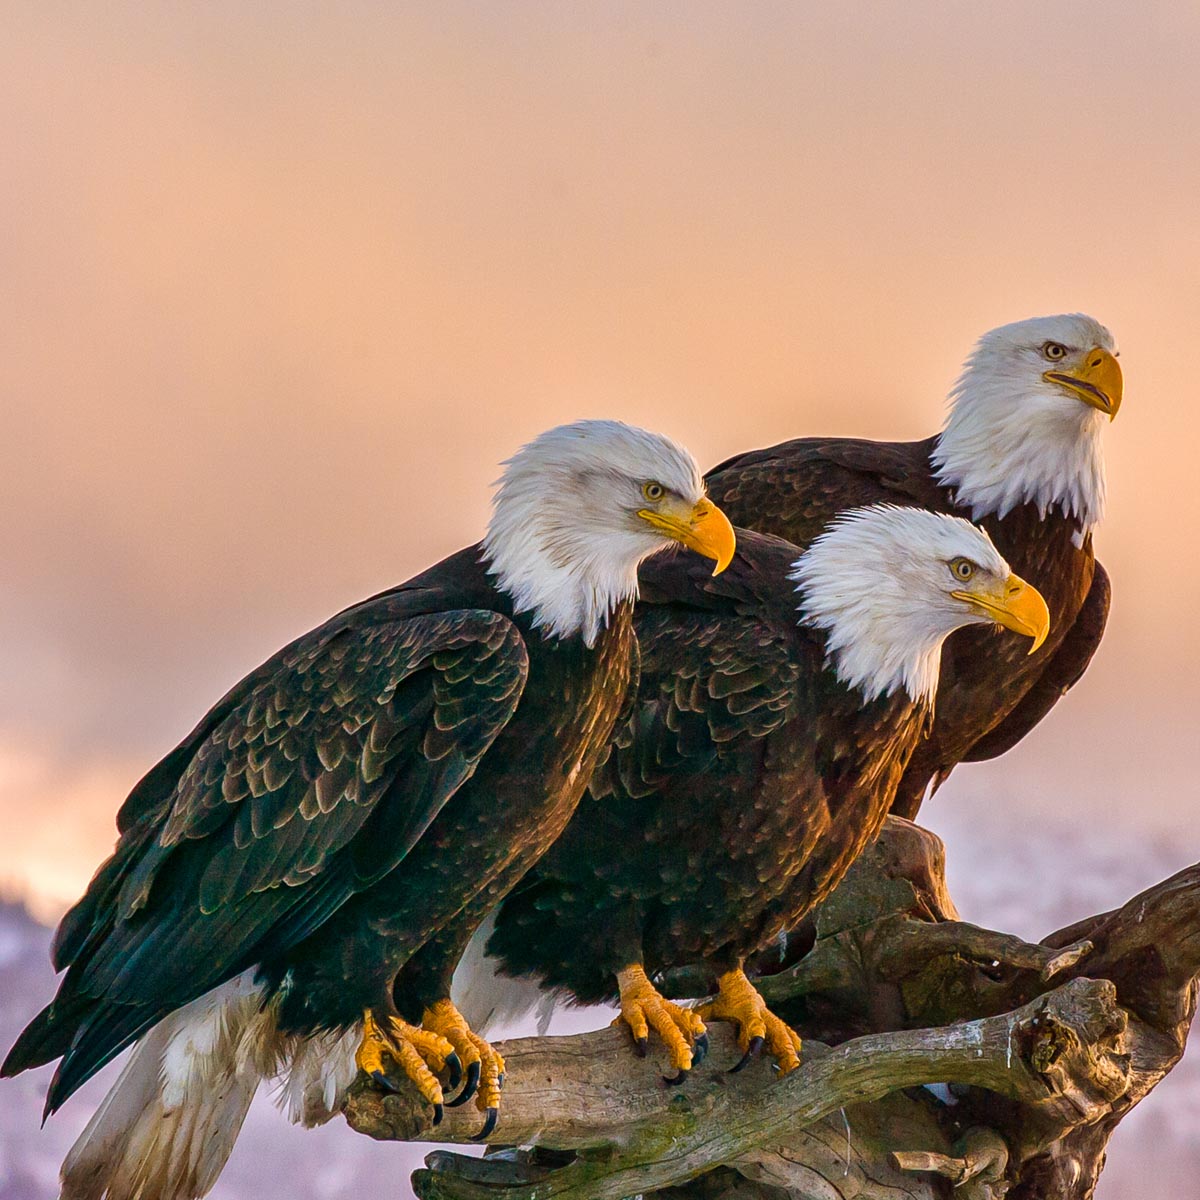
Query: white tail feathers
(319, 1073)
(488, 999)
(168, 1125)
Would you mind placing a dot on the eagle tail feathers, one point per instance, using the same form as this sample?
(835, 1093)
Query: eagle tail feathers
(168, 1125)
(487, 998)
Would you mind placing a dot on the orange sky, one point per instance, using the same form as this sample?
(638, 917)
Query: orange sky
(280, 285)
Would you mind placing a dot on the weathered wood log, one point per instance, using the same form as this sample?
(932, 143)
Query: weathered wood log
(1047, 1046)
(1149, 949)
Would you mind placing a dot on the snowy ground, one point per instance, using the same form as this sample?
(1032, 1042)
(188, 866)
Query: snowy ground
(1028, 887)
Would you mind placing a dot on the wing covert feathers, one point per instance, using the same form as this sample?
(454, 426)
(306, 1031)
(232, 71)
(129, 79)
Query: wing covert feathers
(313, 782)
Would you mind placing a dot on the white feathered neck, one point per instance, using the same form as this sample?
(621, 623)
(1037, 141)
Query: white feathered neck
(564, 542)
(1012, 438)
(878, 582)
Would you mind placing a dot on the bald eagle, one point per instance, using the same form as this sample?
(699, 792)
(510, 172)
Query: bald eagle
(1021, 455)
(342, 808)
(777, 708)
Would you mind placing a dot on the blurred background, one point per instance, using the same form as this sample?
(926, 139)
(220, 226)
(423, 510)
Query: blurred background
(280, 284)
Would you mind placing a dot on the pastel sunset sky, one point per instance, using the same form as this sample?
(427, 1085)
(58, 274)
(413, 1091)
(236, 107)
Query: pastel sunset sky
(280, 284)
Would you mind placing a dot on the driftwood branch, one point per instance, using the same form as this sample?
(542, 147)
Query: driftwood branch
(1045, 1047)
(976, 1169)
(1062, 1054)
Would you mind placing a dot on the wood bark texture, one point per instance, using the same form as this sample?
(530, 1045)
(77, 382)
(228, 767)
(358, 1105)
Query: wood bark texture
(1040, 1050)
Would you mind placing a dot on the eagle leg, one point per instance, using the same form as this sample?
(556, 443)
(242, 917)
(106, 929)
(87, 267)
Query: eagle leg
(485, 1067)
(418, 1052)
(643, 1009)
(738, 1000)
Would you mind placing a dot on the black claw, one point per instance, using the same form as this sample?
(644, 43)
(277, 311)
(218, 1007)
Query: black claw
(438, 1113)
(700, 1053)
(489, 1126)
(752, 1052)
(641, 1046)
(470, 1087)
(384, 1082)
(675, 1081)
(454, 1066)
(500, 1079)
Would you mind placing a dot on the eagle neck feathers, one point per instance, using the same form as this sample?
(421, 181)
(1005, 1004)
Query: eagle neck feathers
(995, 455)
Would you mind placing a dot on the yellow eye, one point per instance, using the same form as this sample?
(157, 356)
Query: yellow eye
(1054, 351)
(963, 568)
(653, 491)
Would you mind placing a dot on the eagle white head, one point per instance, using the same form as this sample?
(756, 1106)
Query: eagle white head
(578, 509)
(1026, 417)
(890, 584)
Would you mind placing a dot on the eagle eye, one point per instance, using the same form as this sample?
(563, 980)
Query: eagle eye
(1054, 351)
(962, 569)
(653, 491)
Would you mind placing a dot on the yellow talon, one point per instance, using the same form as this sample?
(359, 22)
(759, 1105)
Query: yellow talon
(643, 1008)
(738, 1000)
(418, 1052)
(373, 1048)
(483, 1064)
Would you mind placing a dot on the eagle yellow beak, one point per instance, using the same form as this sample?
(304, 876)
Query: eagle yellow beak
(1016, 605)
(1096, 381)
(703, 527)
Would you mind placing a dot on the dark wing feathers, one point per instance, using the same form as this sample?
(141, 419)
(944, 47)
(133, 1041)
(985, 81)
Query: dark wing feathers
(295, 770)
(310, 783)
(987, 701)
(668, 842)
(705, 682)
(135, 824)
(717, 662)
(1061, 673)
(794, 489)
